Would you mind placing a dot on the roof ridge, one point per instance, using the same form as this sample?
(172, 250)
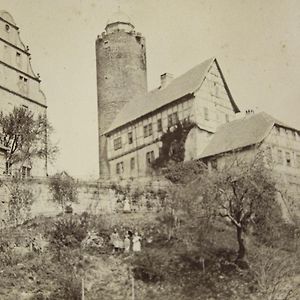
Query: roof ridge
(182, 85)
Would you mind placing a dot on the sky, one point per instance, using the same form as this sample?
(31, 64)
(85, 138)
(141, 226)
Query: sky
(256, 43)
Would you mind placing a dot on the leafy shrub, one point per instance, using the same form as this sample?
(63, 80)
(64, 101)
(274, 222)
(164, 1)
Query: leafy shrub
(69, 288)
(63, 188)
(67, 233)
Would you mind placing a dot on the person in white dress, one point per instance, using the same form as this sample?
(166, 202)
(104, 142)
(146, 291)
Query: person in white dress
(136, 240)
(126, 244)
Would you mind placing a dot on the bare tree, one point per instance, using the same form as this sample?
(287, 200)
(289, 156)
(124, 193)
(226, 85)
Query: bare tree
(242, 192)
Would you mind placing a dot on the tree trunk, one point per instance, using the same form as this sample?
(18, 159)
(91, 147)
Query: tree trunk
(242, 252)
(242, 249)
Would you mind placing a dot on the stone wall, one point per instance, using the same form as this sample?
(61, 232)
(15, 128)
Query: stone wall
(95, 197)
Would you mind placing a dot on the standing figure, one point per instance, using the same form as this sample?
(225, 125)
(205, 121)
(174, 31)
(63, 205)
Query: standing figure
(115, 240)
(136, 240)
(126, 244)
(127, 208)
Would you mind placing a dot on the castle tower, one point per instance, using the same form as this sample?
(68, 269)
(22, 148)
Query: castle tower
(121, 75)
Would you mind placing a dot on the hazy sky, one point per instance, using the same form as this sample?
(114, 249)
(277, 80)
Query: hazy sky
(255, 41)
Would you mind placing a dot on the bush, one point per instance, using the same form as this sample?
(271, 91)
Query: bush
(69, 288)
(63, 189)
(67, 233)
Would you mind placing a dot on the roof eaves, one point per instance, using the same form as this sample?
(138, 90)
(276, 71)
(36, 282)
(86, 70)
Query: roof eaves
(234, 105)
(149, 113)
(228, 151)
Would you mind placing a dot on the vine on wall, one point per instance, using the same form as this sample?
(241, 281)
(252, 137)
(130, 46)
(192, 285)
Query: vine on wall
(173, 144)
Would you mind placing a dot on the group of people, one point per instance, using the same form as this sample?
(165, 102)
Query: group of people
(127, 243)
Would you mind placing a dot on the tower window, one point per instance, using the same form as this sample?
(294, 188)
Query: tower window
(118, 143)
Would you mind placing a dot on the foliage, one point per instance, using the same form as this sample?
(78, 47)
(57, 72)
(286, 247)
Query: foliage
(173, 144)
(242, 192)
(63, 188)
(68, 232)
(183, 172)
(274, 272)
(26, 136)
(69, 288)
(20, 200)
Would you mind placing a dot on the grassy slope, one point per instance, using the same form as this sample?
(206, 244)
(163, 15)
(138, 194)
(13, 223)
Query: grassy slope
(164, 270)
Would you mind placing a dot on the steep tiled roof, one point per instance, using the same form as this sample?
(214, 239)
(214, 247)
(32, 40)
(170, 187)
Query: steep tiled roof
(183, 85)
(241, 133)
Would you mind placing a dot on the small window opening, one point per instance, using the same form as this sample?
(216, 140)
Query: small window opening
(288, 159)
(7, 27)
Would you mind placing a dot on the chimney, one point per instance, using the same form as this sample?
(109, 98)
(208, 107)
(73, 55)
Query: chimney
(165, 79)
(249, 113)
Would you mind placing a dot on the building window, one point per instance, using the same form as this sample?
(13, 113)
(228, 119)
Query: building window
(214, 164)
(268, 154)
(279, 157)
(119, 168)
(150, 157)
(8, 168)
(147, 130)
(216, 86)
(288, 159)
(7, 27)
(18, 58)
(159, 125)
(132, 163)
(206, 117)
(118, 143)
(25, 172)
(295, 135)
(298, 161)
(226, 118)
(172, 119)
(130, 138)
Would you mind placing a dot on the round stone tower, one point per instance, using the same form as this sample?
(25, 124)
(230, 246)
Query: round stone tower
(121, 75)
